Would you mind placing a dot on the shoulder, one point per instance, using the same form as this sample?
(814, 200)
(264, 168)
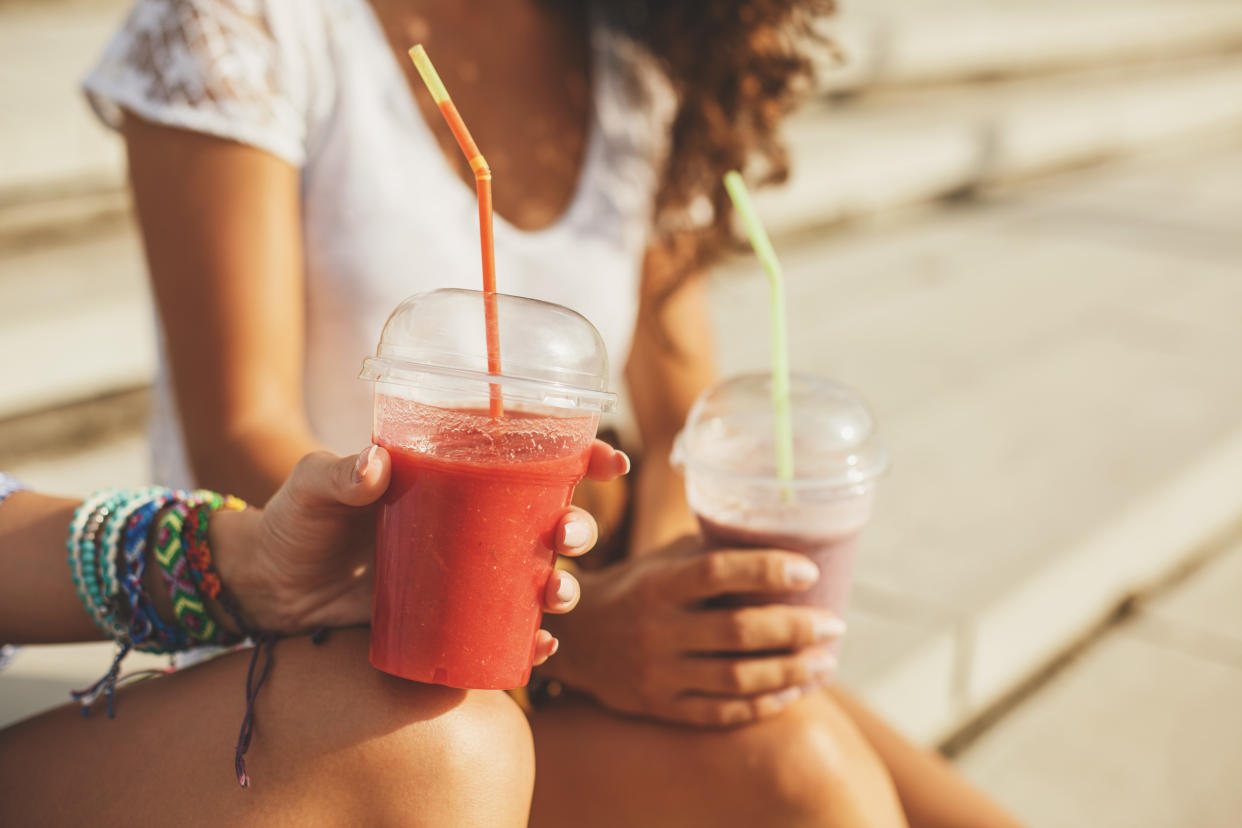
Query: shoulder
(247, 70)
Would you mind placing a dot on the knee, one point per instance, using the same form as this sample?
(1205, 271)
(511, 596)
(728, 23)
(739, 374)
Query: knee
(809, 765)
(797, 762)
(473, 763)
(397, 751)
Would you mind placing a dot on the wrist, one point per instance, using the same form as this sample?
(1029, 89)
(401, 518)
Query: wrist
(573, 631)
(662, 514)
(234, 539)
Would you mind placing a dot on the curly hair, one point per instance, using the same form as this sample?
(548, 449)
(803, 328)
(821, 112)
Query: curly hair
(739, 66)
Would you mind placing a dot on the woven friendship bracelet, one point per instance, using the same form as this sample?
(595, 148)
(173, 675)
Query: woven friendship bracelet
(187, 606)
(108, 538)
(148, 631)
(119, 609)
(171, 542)
(198, 554)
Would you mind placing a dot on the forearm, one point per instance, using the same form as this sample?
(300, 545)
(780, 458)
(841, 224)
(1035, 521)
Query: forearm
(221, 225)
(661, 513)
(670, 363)
(251, 463)
(38, 603)
(932, 793)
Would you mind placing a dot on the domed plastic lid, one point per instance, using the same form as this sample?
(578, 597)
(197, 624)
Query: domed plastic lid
(731, 432)
(549, 355)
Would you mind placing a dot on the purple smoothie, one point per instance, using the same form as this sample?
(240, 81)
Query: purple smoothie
(726, 451)
(832, 553)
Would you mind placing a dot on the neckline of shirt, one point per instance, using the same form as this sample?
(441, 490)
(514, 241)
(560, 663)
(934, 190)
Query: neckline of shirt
(421, 132)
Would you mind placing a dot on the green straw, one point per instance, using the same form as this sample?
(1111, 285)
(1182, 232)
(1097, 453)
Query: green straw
(759, 240)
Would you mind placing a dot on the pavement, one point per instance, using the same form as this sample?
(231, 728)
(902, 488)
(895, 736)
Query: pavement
(1141, 730)
(905, 42)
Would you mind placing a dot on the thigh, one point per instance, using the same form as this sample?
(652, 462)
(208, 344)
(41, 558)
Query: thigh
(335, 742)
(807, 766)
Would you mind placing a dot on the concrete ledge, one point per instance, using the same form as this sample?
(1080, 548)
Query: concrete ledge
(937, 43)
(897, 149)
(48, 376)
(1032, 624)
(75, 318)
(50, 134)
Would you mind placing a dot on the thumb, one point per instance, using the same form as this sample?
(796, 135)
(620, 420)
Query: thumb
(323, 479)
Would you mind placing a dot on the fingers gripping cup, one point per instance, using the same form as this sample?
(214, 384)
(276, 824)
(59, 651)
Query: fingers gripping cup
(728, 454)
(464, 546)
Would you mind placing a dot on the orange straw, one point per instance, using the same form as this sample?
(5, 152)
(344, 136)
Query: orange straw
(483, 183)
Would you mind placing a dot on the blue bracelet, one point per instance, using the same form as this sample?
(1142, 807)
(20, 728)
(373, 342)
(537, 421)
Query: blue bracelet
(148, 631)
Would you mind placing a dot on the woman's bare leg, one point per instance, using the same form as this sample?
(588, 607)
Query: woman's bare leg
(807, 766)
(932, 793)
(335, 743)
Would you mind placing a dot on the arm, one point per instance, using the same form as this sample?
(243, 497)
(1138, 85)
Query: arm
(297, 565)
(38, 604)
(221, 227)
(671, 361)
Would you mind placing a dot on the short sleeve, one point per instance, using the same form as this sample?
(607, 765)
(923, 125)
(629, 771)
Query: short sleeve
(229, 68)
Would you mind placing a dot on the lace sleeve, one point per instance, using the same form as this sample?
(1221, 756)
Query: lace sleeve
(221, 67)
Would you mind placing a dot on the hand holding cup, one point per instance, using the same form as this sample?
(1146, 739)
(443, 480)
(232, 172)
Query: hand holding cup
(644, 641)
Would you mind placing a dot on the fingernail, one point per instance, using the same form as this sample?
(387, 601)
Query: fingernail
(565, 590)
(801, 572)
(575, 534)
(788, 696)
(556, 645)
(364, 463)
(828, 626)
(626, 465)
(822, 665)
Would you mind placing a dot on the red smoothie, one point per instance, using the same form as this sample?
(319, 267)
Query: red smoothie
(465, 538)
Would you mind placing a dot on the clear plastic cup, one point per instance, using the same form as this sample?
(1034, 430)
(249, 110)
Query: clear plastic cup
(727, 453)
(464, 545)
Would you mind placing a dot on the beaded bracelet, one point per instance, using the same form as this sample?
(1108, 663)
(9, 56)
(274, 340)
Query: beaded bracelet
(108, 538)
(93, 564)
(87, 520)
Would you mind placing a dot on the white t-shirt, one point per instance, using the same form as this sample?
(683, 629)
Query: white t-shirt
(384, 216)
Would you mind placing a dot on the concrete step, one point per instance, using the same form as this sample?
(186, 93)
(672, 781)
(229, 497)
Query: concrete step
(57, 143)
(891, 42)
(50, 138)
(75, 319)
(907, 146)
(1149, 710)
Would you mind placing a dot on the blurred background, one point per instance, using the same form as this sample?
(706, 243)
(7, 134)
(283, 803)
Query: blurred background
(1015, 226)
